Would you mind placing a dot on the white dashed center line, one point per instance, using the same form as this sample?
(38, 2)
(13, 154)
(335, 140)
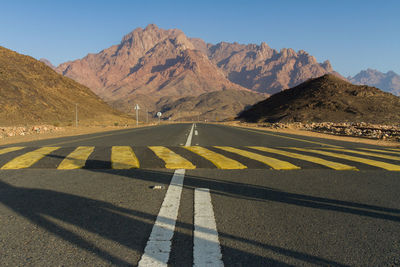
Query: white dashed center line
(206, 249)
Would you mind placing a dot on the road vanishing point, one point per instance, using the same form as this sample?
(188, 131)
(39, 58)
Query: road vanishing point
(198, 195)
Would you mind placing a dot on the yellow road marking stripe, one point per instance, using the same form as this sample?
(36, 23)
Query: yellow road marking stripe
(286, 137)
(10, 149)
(380, 164)
(171, 159)
(123, 157)
(327, 163)
(274, 163)
(394, 149)
(364, 153)
(218, 160)
(76, 159)
(28, 159)
(380, 150)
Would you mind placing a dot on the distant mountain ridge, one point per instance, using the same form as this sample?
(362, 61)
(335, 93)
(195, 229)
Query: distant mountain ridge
(388, 82)
(153, 63)
(263, 69)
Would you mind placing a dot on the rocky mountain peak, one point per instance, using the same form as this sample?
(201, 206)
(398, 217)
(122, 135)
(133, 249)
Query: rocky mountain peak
(389, 82)
(182, 42)
(159, 62)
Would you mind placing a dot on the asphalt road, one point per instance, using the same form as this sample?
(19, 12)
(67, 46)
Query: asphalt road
(290, 205)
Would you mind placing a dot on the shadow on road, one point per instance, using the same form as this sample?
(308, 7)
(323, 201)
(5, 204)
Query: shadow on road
(131, 228)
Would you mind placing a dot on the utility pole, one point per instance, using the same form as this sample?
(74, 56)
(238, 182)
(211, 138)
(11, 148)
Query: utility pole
(137, 114)
(76, 114)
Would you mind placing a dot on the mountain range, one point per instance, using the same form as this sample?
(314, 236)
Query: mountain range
(152, 63)
(388, 82)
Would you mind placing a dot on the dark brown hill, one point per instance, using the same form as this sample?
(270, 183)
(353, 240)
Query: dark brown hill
(32, 93)
(327, 99)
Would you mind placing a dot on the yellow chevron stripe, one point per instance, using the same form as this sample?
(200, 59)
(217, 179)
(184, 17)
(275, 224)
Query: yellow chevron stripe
(76, 159)
(274, 163)
(327, 163)
(380, 150)
(363, 153)
(394, 149)
(383, 165)
(123, 157)
(171, 159)
(218, 160)
(10, 149)
(28, 159)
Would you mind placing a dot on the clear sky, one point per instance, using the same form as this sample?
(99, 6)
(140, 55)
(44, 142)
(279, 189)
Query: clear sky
(352, 34)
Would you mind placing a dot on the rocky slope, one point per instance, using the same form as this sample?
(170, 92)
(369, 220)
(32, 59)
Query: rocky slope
(327, 99)
(153, 63)
(388, 82)
(214, 106)
(33, 93)
(148, 63)
(263, 69)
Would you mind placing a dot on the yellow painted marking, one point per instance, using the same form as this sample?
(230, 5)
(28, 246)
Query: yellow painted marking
(76, 159)
(171, 159)
(381, 150)
(274, 163)
(218, 160)
(123, 157)
(327, 163)
(10, 149)
(365, 153)
(286, 137)
(394, 149)
(28, 159)
(380, 164)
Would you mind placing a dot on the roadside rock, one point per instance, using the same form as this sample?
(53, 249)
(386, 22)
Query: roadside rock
(361, 129)
(37, 129)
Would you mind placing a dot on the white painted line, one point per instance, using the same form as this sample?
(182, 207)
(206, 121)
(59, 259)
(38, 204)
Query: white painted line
(189, 140)
(196, 132)
(206, 248)
(158, 246)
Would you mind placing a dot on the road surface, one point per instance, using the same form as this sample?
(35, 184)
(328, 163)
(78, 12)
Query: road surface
(198, 195)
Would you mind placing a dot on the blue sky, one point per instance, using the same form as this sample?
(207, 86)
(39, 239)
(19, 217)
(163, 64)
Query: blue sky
(352, 34)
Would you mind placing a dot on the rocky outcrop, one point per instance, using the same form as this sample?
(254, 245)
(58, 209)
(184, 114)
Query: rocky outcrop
(361, 129)
(22, 131)
(388, 82)
(263, 69)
